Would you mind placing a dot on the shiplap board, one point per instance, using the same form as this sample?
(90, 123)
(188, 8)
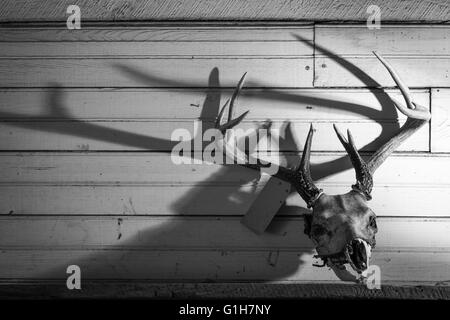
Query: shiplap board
(440, 124)
(190, 200)
(416, 72)
(151, 33)
(344, 56)
(187, 42)
(213, 265)
(167, 49)
(200, 10)
(154, 72)
(146, 184)
(158, 168)
(156, 135)
(277, 104)
(421, 40)
(201, 233)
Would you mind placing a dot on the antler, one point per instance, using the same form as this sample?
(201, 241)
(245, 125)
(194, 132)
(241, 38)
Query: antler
(417, 117)
(222, 145)
(299, 178)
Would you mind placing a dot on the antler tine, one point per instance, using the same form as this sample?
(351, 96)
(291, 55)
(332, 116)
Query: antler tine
(404, 89)
(231, 123)
(220, 116)
(305, 162)
(303, 181)
(412, 109)
(235, 95)
(364, 182)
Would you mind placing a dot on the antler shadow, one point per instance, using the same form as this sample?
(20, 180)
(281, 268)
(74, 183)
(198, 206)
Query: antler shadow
(190, 202)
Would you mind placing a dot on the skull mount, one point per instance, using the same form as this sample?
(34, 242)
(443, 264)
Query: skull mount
(343, 229)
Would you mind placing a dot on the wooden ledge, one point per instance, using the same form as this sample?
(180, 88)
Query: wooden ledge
(138, 289)
(229, 10)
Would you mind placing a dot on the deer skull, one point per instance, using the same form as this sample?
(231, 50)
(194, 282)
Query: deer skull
(342, 227)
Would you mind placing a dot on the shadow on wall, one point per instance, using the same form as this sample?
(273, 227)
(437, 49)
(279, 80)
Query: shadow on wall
(219, 263)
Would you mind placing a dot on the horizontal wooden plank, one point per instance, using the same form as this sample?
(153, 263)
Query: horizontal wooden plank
(201, 233)
(138, 289)
(117, 169)
(164, 42)
(368, 71)
(440, 124)
(276, 104)
(200, 10)
(167, 50)
(185, 72)
(212, 265)
(157, 135)
(389, 40)
(344, 56)
(142, 33)
(190, 200)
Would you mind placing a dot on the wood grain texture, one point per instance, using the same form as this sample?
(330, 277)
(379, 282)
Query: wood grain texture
(144, 119)
(167, 42)
(344, 56)
(210, 248)
(417, 72)
(212, 265)
(127, 104)
(141, 289)
(440, 125)
(190, 200)
(198, 10)
(407, 40)
(116, 72)
(187, 34)
(201, 233)
(142, 184)
(157, 168)
(167, 49)
(105, 58)
(156, 135)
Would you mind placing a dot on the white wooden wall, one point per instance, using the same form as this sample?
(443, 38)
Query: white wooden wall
(86, 174)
